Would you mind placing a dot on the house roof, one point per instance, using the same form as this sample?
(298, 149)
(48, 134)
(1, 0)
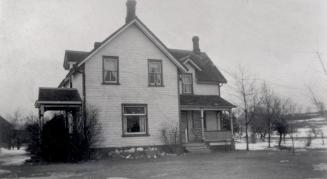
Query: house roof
(58, 96)
(4, 123)
(74, 56)
(209, 72)
(211, 101)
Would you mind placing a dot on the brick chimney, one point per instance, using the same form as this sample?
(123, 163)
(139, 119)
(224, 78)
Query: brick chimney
(97, 44)
(196, 46)
(131, 8)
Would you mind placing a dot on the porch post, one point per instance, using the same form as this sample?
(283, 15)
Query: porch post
(41, 116)
(231, 121)
(202, 124)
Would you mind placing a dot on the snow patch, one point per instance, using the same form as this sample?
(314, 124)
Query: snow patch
(4, 171)
(300, 139)
(320, 167)
(14, 161)
(13, 157)
(317, 119)
(14, 151)
(160, 175)
(284, 161)
(54, 176)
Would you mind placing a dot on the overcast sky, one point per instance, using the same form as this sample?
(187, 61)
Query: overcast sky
(275, 40)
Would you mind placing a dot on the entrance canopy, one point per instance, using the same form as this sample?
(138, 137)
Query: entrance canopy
(58, 99)
(207, 102)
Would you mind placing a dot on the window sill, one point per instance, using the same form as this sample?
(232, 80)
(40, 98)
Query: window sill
(156, 86)
(187, 94)
(214, 130)
(135, 135)
(107, 83)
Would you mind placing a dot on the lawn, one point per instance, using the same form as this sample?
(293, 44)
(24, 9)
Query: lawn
(238, 164)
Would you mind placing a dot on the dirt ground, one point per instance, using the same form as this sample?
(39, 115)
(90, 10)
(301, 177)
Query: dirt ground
(238, 164)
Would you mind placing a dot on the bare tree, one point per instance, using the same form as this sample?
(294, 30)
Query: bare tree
(317, 103)
(271, 104)
(246, 89)
(16, 119)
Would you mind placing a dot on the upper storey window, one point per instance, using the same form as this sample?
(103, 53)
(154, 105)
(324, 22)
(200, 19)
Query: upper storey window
(155, 73)
(187, 83)
(110, 70)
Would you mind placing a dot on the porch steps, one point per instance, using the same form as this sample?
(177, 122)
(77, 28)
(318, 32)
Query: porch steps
(197, 148)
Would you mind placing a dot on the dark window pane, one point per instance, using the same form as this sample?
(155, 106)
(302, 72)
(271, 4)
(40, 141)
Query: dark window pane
(133, 124)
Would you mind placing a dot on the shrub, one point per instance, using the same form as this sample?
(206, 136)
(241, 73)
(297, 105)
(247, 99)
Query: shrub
(55, 140)
(309, 139)
(34, 142)
(170, 137)
(61, 142)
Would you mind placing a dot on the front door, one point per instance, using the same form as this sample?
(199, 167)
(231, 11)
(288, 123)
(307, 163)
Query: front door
(192, 126)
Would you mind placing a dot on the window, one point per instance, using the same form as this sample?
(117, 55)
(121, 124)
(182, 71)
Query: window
(110, 70)
(134, 119)
(155, 73)
(187, 83)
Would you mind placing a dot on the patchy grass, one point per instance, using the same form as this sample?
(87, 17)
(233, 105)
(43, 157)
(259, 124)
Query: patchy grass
(239, 164)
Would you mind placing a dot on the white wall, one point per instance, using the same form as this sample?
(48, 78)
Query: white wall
(134, 49)
(77, 82)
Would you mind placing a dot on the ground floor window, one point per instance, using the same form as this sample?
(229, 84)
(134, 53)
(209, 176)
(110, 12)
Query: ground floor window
(134, 119)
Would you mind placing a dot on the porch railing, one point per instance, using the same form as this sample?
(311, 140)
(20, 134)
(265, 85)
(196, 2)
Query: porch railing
(218, 135)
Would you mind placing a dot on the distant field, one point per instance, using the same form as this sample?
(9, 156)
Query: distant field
(304, 129)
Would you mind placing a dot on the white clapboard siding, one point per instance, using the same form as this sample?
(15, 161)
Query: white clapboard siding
(133, 49)
(77, 82)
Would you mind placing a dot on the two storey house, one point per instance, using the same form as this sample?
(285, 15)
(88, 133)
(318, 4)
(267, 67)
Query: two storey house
(138, 86)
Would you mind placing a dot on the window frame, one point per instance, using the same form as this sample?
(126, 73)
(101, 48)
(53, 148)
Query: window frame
(161, 69)
(115, 58)
(192, 90)
(135, 134)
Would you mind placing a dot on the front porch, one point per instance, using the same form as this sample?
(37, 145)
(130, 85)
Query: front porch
(205, 126)
(206, 119)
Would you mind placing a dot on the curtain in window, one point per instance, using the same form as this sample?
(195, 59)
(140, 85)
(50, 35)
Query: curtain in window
(134, 119)
(155, 74)
(110, 70)
(142, 123)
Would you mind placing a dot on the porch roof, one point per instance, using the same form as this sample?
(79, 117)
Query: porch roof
(204, 101)
(58, 97)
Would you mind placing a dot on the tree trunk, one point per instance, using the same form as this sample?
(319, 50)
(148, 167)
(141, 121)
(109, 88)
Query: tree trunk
(246, 130)
(280, 140)
(269, 133)
(247, 137)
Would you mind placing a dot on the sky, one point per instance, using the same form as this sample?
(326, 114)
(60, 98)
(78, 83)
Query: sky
(274, 40)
